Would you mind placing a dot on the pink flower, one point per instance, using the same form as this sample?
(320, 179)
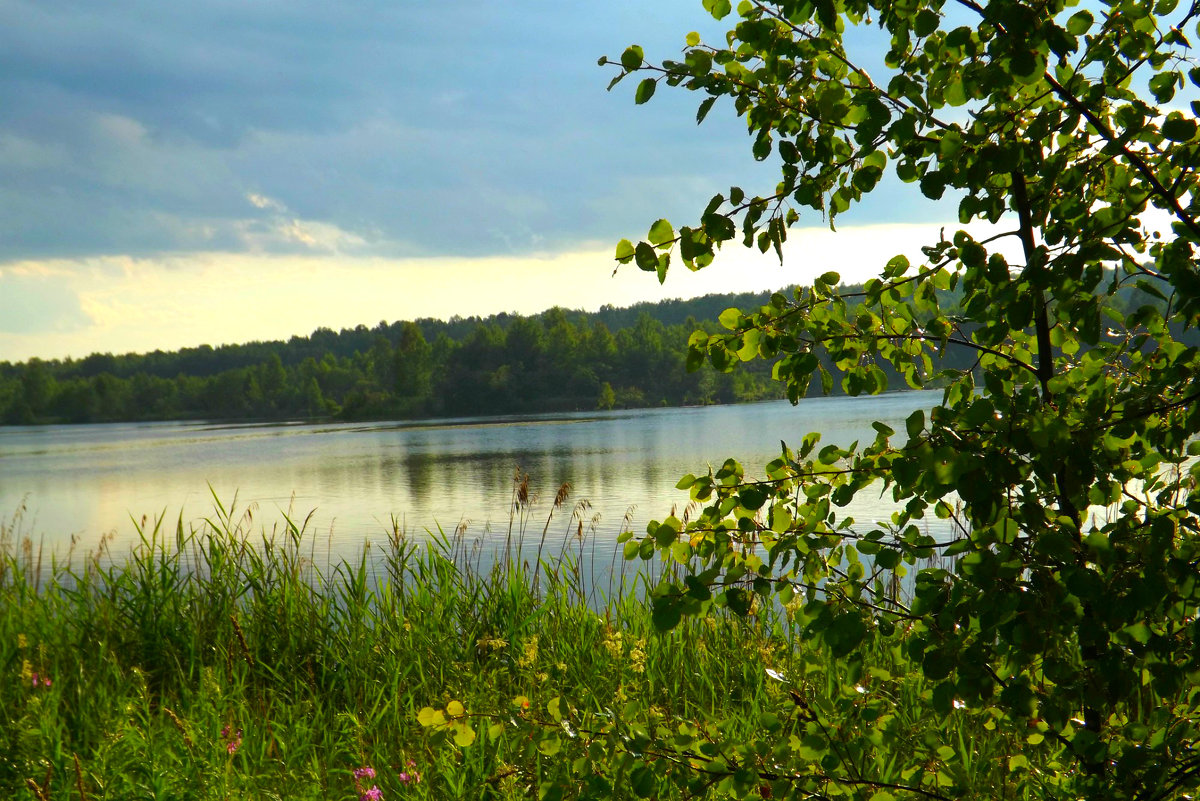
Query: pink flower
(46, 682)
(374, 794)
(235, 740)
(364, 773)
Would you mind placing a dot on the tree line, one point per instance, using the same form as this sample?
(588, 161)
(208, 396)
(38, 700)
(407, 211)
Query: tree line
(557, 360)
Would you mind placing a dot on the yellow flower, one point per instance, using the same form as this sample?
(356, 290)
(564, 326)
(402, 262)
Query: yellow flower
(613, 643)
(487, 643)
(530, 654)
(637, 657)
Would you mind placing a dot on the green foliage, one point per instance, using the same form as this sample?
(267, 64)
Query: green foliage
(1059, 613)
(506, 364)
(220, 662)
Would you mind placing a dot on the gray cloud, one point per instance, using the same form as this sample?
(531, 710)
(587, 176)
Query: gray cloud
(402, 128)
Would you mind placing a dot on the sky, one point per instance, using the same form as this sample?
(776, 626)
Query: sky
(223, 171)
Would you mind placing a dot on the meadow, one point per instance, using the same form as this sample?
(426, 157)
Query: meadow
(219, 661)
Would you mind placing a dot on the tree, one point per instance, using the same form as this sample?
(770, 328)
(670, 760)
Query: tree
(1068, 130)
(1058, 622)
(413, 365)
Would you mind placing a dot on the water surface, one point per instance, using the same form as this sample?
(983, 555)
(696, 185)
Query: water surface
(354, 479)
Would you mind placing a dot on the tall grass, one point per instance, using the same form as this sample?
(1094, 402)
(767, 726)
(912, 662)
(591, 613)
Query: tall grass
(220, 661)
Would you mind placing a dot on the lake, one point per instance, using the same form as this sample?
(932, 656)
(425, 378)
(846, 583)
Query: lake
(84, 482)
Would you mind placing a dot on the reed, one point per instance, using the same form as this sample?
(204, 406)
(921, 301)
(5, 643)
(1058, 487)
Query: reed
(222, 661)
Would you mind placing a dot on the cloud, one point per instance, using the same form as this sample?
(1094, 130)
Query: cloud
(264, 202)
(33, 301)
(123, 304)
(465, 128)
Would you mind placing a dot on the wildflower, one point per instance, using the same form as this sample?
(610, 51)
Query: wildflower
(234, 739)
(530, 648)
(794, 606)
(409, 776)
(46, 681)
(361, 775)
(612, 643)
(637, 657)
(486, 643)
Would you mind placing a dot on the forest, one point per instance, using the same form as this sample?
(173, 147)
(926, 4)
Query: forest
(558, 360)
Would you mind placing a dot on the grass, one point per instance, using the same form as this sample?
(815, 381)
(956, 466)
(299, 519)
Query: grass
(218, 661)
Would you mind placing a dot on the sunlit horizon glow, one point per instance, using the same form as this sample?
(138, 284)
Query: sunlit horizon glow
(136, 305)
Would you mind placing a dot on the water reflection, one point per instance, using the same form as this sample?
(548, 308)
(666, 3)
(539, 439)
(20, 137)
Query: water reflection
(90, 480)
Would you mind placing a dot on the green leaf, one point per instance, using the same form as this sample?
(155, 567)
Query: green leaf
(429, 717)
(718, 8)
(642, 780)
(739, 601)
(464, 735)
(665, 613)
(645, 257)
(1178, 128)
(632, 58)
(645, 90)
(625, 251)
(915, 424)
(1079, 23)
(661, 233)
(1162, 86)
(845, 634)
(956, 94)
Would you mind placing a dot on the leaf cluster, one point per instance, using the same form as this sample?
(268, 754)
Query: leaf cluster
(1062, 455)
